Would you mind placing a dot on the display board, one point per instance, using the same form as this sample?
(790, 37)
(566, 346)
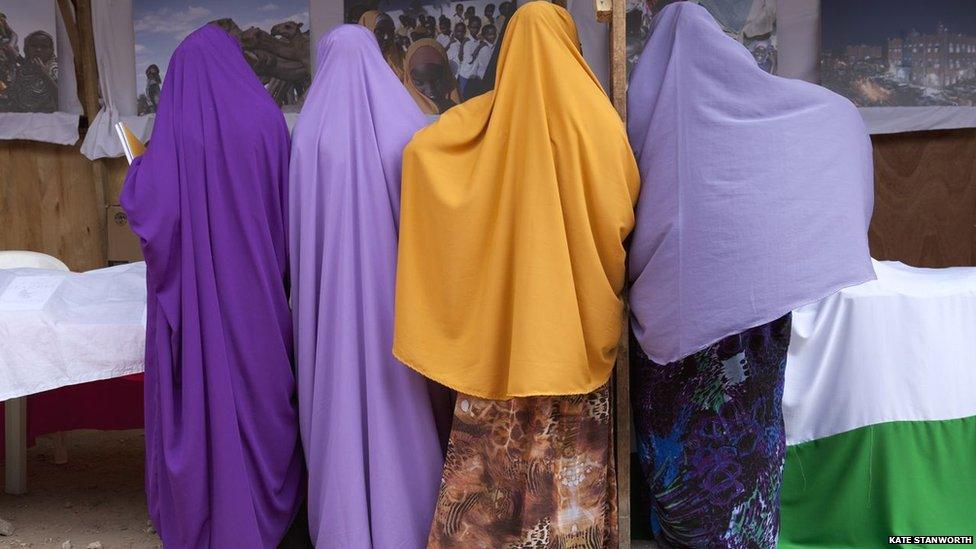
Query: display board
(273, 35)
(440, 49)
(880, 53)
(751, 22)
(907, 66)
(28, 57)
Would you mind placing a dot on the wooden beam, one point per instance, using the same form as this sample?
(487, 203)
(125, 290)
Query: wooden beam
(618, 57)
(85, 57)
(618, 91)
(70, 26)
(81, 34)
(622, 429)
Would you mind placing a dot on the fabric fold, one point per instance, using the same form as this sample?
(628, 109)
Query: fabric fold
(516, 204)
(368, 423)
(224, 464)
(758, 190)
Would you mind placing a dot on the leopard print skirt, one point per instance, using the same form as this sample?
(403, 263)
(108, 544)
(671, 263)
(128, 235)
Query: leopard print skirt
(533, 472)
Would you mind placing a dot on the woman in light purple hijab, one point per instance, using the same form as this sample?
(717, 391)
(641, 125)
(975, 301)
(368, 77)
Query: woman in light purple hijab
(756, 197)
(367, 422)
(207, 199)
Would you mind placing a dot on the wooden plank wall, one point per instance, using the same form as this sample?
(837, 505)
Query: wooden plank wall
(924, 215)
(50, 202)
(925, 198)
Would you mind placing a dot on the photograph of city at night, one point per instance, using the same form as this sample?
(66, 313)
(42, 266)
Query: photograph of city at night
(885, 53)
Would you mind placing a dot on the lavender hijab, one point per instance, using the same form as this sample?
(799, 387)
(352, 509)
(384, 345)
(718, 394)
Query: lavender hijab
(757, 190)
(207, 199)
(368, 429)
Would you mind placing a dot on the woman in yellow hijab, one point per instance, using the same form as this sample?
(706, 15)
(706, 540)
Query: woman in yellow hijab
(427, 76)
(515, 208)
(385, 31)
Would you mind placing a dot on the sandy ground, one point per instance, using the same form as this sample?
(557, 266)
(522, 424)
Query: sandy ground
(96, 497)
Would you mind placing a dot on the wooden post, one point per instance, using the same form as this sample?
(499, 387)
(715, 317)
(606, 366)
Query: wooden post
(618, 57)
(618, 92)
(77, 17)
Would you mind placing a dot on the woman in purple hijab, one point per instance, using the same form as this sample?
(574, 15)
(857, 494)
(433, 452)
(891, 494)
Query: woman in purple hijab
(368, 427)
(756, 198)
(223, 459)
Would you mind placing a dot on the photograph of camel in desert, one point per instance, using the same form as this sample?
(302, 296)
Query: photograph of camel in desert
(274, 38)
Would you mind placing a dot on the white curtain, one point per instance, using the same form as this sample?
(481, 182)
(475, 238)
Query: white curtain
(116, 58)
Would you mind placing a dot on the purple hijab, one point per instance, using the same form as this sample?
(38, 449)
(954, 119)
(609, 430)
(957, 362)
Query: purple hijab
(368, 428)
(757, 190)
(223, 458)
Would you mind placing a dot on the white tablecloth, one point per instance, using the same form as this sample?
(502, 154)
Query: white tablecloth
(900, 348)
(60, 328)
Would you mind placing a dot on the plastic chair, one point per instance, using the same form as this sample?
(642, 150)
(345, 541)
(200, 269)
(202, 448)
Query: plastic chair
(30, 260)
(15, 409)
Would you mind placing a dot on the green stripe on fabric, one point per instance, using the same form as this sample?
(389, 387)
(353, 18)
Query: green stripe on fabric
(857, 488)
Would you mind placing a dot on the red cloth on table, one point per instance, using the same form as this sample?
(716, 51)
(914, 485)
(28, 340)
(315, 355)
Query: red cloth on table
(111, 404)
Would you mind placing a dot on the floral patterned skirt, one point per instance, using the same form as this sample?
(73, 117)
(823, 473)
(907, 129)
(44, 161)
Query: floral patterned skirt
(529, 472)
(711, 439)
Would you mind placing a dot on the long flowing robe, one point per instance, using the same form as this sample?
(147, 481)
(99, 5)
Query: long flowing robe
(516, 205)
(224, 464)
(757, 193)
(367, 422)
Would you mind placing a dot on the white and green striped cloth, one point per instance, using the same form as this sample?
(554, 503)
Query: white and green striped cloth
(880, 410)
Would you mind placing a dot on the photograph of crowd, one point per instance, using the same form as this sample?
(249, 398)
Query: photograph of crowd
(441, 50)
(751, 22)
(884, 53)
(274, 37)
(28, 57)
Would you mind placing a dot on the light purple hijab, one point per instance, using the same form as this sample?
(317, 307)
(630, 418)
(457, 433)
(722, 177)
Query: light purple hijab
(757, 190)
(207, 199)
(367, 423)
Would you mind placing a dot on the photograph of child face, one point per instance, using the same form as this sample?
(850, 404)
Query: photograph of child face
(28, 58)
(441, 50)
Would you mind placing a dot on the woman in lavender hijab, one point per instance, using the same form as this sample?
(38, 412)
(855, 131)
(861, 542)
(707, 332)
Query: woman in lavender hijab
(367, 422)
(756, 198)
(223, 457)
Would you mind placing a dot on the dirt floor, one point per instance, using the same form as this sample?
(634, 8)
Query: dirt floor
(97, 497)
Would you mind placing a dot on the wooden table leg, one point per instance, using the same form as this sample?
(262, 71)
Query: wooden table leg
(15, 435)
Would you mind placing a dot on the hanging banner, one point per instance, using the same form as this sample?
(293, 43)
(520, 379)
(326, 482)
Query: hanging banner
(274, 37)
(908, 66)
(28, 58)
(751, 22)
(439, 49)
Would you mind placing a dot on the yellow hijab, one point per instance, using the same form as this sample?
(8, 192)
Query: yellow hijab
(393, 55)
(428, 50)
(515, 206)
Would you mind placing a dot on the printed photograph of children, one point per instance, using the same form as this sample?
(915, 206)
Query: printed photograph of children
(441, 50)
